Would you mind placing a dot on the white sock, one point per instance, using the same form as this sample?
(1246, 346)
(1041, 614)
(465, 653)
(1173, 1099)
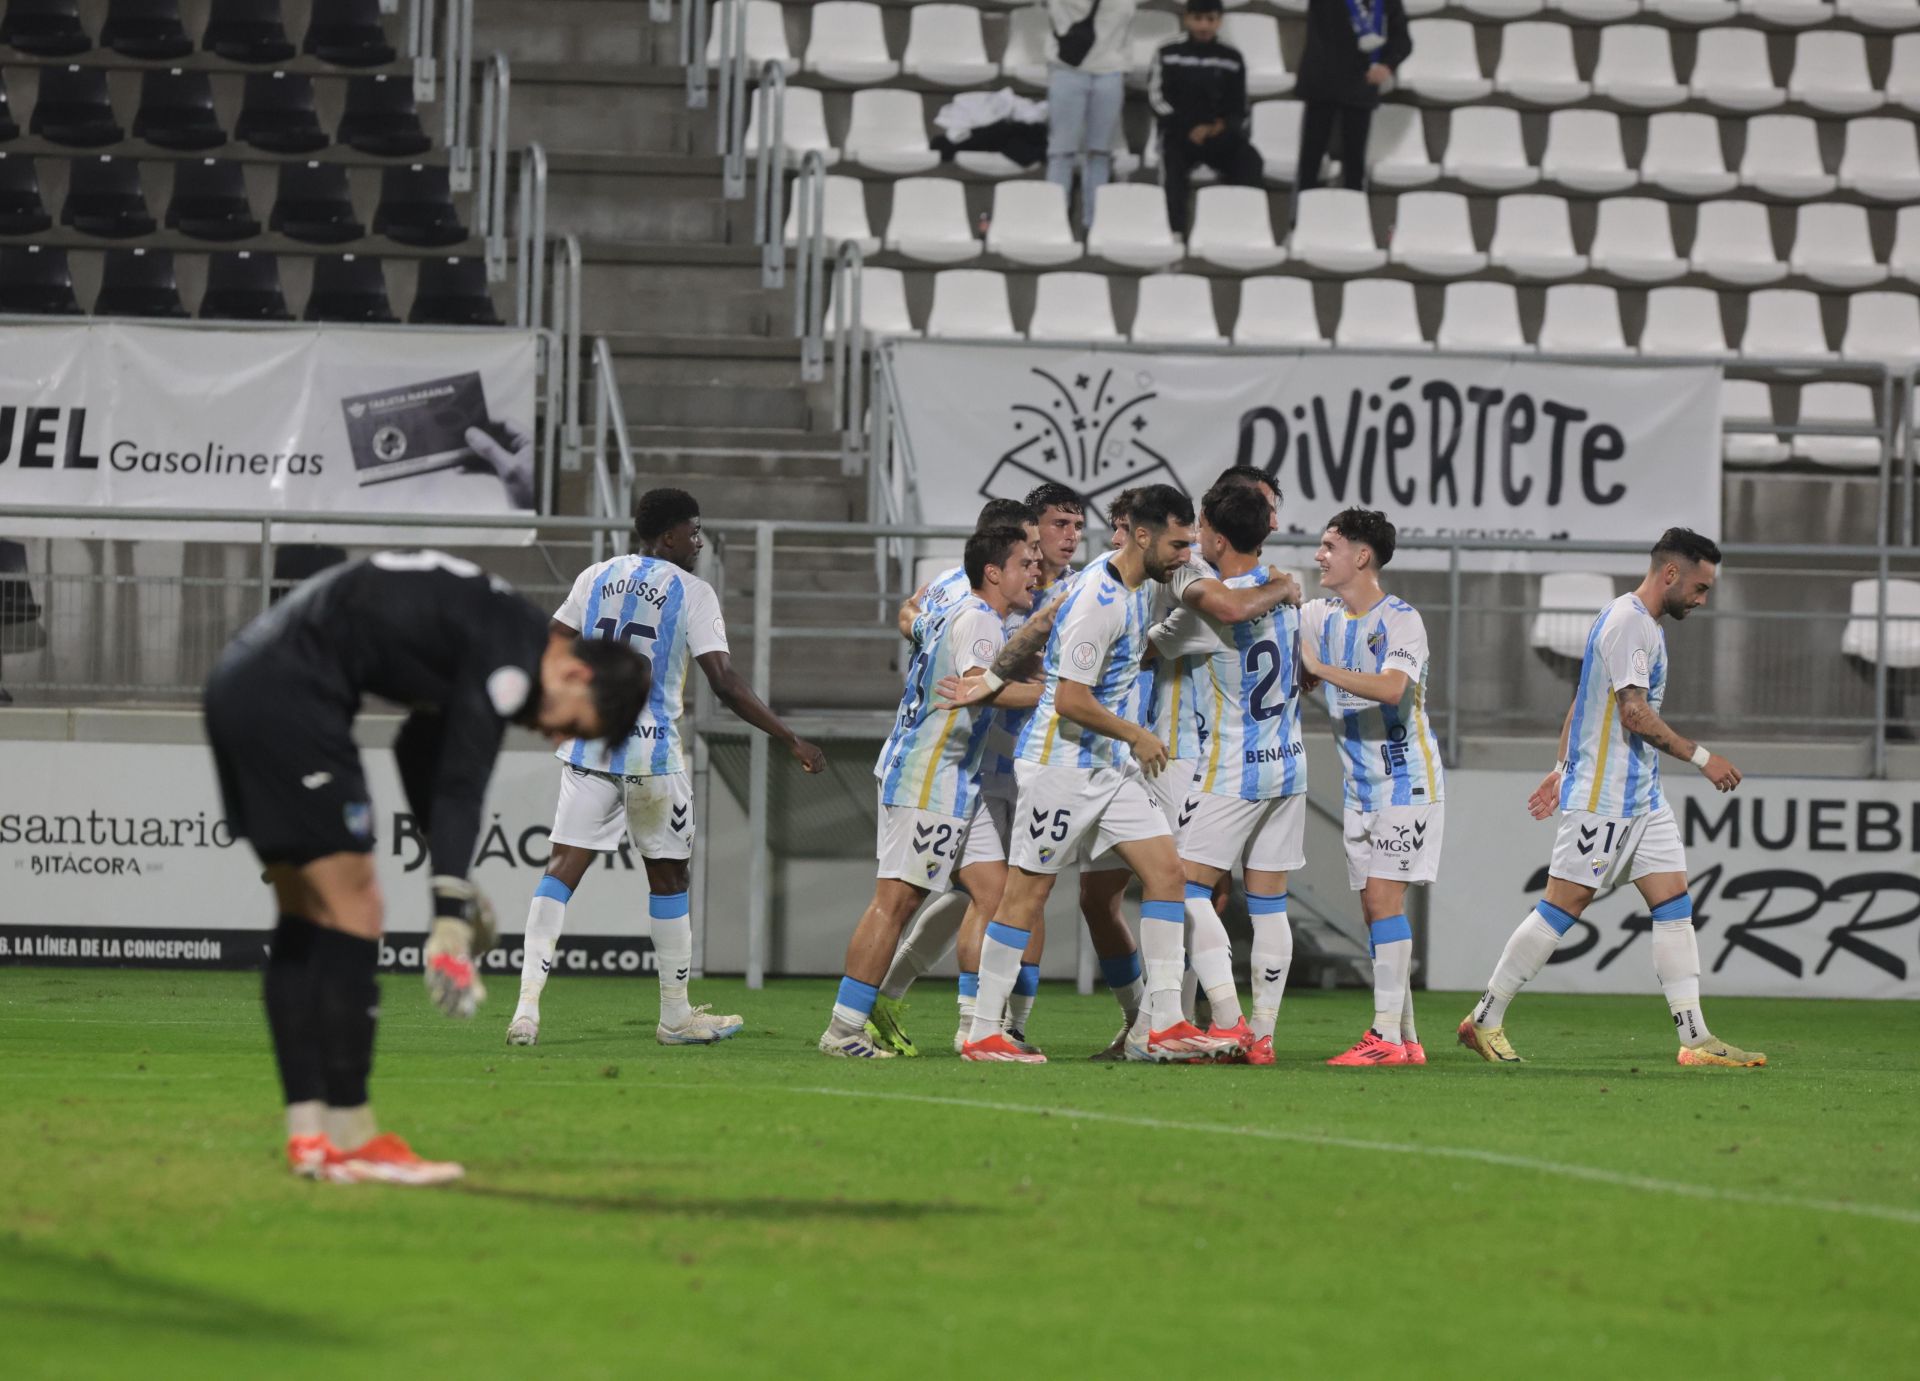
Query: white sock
(1163, 944)
(1407, 1034)
(305, 1119)
(1271, 958)
(349, 1128)
(544, 920)
(673, 952)
(999, 971)
(1676, 961)
(1528, 949)
(1392, 965)
(1212, 956)
(928, 939)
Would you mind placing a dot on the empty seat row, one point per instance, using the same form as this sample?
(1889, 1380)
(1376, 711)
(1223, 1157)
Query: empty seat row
(176, 111)
(106, 197)
(1746, 402)
(344, 33)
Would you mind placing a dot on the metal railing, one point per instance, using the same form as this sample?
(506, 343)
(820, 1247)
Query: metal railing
(490, 200)
(612, 497)
(850, 362)
(769, 180)
(731, 124)
(693, 51)
(421, 52)
(810, 266)
(457, 113)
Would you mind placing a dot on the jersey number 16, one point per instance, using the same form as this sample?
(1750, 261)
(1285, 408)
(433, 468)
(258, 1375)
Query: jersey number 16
(625, 632)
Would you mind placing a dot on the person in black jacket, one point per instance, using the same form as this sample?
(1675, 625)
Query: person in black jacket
(1198, 90)
(1353, 49)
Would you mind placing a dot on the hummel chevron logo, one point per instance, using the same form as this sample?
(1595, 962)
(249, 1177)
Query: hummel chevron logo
(1186, 812)
(921, 834)
(1039, 825)
(1585, 844)
(1419, 835)
(1272, 975)
(680, 817)
(546, 966)
(1101, 596)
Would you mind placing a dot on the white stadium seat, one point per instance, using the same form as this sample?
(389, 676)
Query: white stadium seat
(1783, 157)
(1636, 66)
(1733, 242)
(1378, 314)
(1794, 13)
(1749, 400)
(1861, 637)
(1029, 224)
(848, 44)
(1570, 601)
(1257, 36)
(887, 132)
(1694, 11)
(1848, 405)
(1072, 306)
(883, 303)
(929, 221)
(1881, 14)
(1277, 311)
(1481, 316)
(1882, 159)
(1584, 152)
(1584, 319)
(970, 303)
(1785, 323)
(1904, 262)
(1484, 149)
(1830, 73)
(766, 36)
(1683, 321)
(1903, 76)
(1832, 245)
(1533, 238)
(1150, 31)
(1025, 58)
(1333, 230)
(1731, 70)
(1233, 227)
(1397, 148)
(1502, 9)
(1276, 137)
(1130, 227)
(1683, 155)
(1433, 234)
(1444, 64)
(1176, 309)
(1634, 239)
(945, 46)
(1596, 11)
(803, 125)
(1536, 64)
(843, 215)
(1416, 9)
(1882, 326)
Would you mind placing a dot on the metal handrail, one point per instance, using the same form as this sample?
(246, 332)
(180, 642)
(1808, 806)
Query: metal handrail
(491, 199)
(849, 355)
(693, 51)
(457, 43)
(768, 181)
(613, 500)
(420, 51)
(530, 271)
(731, 125)
(810, 226)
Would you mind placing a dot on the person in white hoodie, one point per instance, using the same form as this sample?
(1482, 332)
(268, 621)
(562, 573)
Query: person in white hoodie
(1084, 97)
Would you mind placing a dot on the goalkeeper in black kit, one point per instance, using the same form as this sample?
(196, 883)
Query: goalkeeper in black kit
(466, 656)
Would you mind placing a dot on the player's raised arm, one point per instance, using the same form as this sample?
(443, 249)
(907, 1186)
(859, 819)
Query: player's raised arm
(1640, 718)
(1225, 605)
(1010, 665)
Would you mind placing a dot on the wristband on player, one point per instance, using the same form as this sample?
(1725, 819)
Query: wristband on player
(993, 682)
(1700, 756)
(1560, 768)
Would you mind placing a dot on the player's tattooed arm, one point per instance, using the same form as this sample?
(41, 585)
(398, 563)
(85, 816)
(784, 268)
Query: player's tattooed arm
(1639, 717)
(1011, 666)
(732, 690)
(958, 692)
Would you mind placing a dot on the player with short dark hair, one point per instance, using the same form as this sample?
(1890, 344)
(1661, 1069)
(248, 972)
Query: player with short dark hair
(468, 656)
(1615, 822)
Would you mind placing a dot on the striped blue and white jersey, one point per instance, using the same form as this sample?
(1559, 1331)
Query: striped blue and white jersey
(669, 616)
(1251, 688)
(1610, 771)
(949, 587)
(1181, 700)
(931, 760)
(1003, 738)
(1097, 640)
(1388, 751)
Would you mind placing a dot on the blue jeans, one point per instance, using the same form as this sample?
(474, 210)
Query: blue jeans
(1083, 116)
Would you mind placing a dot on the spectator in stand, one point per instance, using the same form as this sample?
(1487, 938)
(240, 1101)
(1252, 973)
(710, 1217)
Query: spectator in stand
(1087, 63)
(1353, 49)
(1198, 90)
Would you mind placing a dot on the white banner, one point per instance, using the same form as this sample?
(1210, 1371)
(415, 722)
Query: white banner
(315, 419)
(118, 853)
(1801, 888)
(1447, 446)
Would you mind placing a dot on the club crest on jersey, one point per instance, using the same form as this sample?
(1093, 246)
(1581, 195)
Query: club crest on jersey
(1046, 853)
(1376, 640)
(1085, 655)
(933, 868)
(358, 817)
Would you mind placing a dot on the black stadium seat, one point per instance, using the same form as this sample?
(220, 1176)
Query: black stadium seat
(36, 280)
(210, 202)
(313, 205)
(104, 198)
(348, 33)
(149, 29)
(381, 120)
(9, 127)
(349, 287)
(139, 282)
(176, 111)
(73, 108)
(278, 114)
(452, 292)
(45, 28)
(248, 31)
(416, 208)
(22, 212)
(244, 287)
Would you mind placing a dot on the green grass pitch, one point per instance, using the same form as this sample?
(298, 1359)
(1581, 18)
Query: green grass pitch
(756, 1210)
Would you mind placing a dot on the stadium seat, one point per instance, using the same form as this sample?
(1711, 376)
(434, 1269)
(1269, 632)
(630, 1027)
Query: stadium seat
(929, 221)
(848, 44)
(9, 127)
(1233, 227)
(1882, 159)
(1433, 234)
(1861, 637)
(1149, 31)
(1733, 242)
(1830, 73)
(139, 282)
(209, 201)
(1378, 314)
(945, 46)
(1502, 9)
(347, 33)
(1783, 157)
(1025, 58)
(278, 114)
(73, 108)
(1397, 148)
(1484, 149)
(1029, 224)
(1481, 316)
(1445, 64)
(1636, 67)
(1584, 152)
(1416, 9)
(380, 118)
(1848, 405)
(1536, 65)
(104, 198)
(1882, 326)
(1905, 259)
(149, 29)
(452, 292)
(970, 303)
(313, 204)
(1881, 14)
(416, 207)
(1596, 11)
(888, 133)
(243, 286)
(1683, 321)
(176, 111)
(44, 28)
(843, 215)
(1731, 70)
(1794, 13)
(1257, 36)
(1277, 312)
(803, 127)
(1072, 306)
(766, 34)
(1333, 230)
(1683, 155)
(1130, 227)
(247, 31)
(1533, 238)
(22, 212)
(1694, 11)
(1582, 318)
(351, 288)
(1634, 239)
(35, 281)
(883, 303)
(1785, 322)
(1276, 135)
(1749, 400)
(1569, 603)
(1832, 245)
(1176, 309)
(1903, 76)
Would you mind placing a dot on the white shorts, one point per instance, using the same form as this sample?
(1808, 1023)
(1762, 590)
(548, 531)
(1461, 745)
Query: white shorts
(919, 847)
(987, 831)
(1068, 814)
(1227, 832)
(1170, 791)
(1399, 843)
(600, 812)
(1602, 851)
